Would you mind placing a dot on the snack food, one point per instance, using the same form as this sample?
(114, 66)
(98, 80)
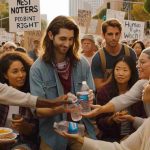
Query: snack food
(8, 137)
(123, 112)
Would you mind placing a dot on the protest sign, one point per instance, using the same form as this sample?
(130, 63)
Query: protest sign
(92, 26)
(84, 17)
(115, 14)
(30, 36)
(24, 15)
(133, 30)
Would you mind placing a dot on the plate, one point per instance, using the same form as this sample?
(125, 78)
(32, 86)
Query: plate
(8, 137)
(4, 131)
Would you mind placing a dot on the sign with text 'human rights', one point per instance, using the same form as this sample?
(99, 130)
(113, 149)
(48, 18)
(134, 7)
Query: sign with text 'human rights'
(24, 15)
(133, 30)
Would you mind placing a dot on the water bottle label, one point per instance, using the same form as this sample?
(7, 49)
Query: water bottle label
(73, 128)
(83, 96)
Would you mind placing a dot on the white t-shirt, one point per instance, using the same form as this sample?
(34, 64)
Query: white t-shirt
(12, 110)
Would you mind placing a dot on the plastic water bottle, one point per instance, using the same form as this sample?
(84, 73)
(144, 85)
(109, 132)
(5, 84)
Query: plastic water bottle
(83, 97)
(76, 112)
(75, 128)
(70, 127)
(75, 108)
(61, 126)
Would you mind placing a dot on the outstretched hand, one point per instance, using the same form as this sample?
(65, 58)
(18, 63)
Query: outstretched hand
(76, 137)
(96, 110)
(146, 93)
(50, 103)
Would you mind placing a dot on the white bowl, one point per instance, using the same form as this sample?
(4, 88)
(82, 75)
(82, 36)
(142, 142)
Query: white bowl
(8, 137)
(4, 131)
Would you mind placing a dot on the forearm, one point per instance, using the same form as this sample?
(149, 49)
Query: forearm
(80, 139)
(50, 103)
(11, 96)
(48, 112)
(109, 107)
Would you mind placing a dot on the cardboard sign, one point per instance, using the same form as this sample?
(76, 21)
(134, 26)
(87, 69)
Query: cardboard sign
(93, 26)
(115, 14)
(133, 30)
(24, 15)
(83, 17)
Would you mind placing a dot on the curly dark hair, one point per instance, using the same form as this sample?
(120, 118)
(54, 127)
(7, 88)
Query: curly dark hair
(56, 24)
(7, 59)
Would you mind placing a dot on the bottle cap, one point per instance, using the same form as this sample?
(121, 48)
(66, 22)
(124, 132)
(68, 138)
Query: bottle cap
(55, 125)
(84, 82)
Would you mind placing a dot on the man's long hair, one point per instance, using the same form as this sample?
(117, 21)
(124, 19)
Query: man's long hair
(54, 27)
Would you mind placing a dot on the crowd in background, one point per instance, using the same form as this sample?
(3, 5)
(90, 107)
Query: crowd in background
(108, 64)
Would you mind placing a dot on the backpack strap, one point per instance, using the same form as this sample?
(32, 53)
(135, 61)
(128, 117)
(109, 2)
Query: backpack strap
(103, 59)
(126, 49)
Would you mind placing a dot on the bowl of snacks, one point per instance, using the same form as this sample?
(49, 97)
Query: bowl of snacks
(5, 131)
(8, 137)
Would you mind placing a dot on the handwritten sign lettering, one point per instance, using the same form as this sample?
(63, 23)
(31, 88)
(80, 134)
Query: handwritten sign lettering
(24, 15)
(133, 30)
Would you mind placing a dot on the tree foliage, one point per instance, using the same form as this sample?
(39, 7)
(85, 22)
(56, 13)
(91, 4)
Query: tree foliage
(139, 14)
(147, 6)
(4, 16)
(43, 24)
(101, 14)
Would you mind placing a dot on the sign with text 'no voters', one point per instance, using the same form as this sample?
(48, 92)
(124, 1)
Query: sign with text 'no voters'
(24, 15)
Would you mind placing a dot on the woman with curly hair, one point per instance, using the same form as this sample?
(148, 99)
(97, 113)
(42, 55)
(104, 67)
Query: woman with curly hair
(14, 71)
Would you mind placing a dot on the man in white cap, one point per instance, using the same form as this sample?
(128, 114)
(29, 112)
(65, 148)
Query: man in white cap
(88, 45)
(9, 46)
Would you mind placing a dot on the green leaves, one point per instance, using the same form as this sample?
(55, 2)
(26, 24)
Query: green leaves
(147, 6)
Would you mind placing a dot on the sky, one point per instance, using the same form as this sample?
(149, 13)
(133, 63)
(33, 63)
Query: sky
(54, 8)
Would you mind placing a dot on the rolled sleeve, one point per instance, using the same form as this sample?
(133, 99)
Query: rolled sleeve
(11, 96)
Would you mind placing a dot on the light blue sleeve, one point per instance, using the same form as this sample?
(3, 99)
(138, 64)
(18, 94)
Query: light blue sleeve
(36, 87)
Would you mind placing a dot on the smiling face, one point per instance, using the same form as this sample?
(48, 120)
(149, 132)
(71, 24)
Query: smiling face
(16, 75)
(62, 41)
(122, 73)
(138, 49)
(144, 66)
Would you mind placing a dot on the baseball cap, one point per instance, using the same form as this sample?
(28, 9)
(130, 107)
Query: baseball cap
(89, 37)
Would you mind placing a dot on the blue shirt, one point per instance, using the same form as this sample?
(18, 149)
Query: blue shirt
(44, 82)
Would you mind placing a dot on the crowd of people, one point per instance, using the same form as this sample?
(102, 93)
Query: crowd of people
(117, 75)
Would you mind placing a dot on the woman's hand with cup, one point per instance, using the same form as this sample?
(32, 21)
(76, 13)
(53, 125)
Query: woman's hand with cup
(16, 122)
(21, 125)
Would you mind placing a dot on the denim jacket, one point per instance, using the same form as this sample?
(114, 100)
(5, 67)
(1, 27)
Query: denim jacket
(44, 82)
